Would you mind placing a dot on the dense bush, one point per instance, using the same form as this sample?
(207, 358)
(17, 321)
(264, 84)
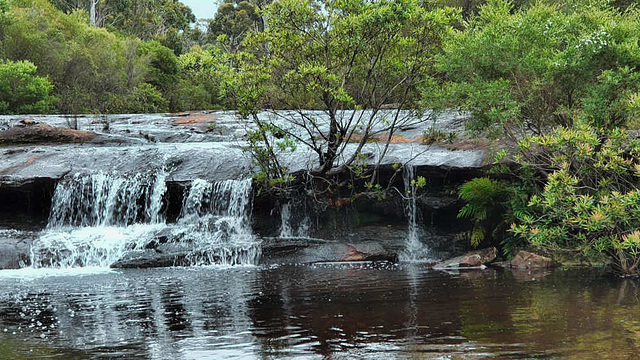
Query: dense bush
(22, 91)
(94, 70)
(526, 71)
(561, 86)
(590, 201)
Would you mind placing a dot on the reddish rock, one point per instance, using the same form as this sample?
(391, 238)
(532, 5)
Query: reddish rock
(366, 251)
(41, 133)
(352, 254)
(471, 259)
(192, 119)
(527, 260)
(27, 122)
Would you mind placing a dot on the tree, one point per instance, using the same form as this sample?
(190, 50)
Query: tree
(146, 19)
(22, 91)
(562, 87)
(527, 71)
(203, 70)
(335, 56)
(234, 20)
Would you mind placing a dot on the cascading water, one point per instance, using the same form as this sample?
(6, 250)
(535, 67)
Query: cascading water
(97, 220)
(107, 199)
(415, 250)
(216, 219)
(289, 228)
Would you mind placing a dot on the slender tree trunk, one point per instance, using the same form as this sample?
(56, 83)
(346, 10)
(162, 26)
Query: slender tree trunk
(326, 162)
(92, 13)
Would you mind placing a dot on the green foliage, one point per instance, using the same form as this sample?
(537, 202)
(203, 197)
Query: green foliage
(265, 144)
(590, 202)
(528, 70)
(493, 206)
(481, 195)
(335, 55)
(418, 183)
(163, 71)
(22, 91)
(145, 98)
(204, 72)
(434, 136)
(234, 20)
(110, 72)
(166, 21)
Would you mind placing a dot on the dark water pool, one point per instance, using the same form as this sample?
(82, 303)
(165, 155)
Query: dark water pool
(317, 312)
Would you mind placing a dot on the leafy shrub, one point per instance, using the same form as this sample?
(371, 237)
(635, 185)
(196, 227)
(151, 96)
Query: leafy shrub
(590, 202)
(22, 91)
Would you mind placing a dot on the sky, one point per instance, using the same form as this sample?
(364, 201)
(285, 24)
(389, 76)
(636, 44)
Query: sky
(202, 9)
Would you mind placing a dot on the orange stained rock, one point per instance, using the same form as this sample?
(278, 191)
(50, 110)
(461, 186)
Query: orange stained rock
(31, 160)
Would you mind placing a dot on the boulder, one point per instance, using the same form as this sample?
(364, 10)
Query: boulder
(150, 259)
(527, 260)
(366, 251)
(42, 133)
(471, 259)
(339, 252)
(14, 253)
(304, 251)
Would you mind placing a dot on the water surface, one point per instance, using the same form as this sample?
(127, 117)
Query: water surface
(381, 311)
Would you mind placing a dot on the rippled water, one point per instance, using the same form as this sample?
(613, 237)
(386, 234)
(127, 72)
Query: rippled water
(321, 311)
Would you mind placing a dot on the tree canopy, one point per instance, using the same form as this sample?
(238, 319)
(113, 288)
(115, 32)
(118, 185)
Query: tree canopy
(335, 56)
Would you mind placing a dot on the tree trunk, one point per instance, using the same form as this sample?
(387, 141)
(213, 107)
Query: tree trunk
(326, 162)
(92, 13)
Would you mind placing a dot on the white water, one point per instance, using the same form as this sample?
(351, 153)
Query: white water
(216, 219)
(289, 227)
(415, 248)
(107, 199)
(97, 220)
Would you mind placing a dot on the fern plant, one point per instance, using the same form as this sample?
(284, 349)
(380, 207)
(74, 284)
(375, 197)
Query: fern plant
(482, 195)
(493, 206)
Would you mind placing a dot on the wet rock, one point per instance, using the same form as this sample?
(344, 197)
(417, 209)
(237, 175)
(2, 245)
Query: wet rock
(475, 258)
(42, 133)
(365, 252)
(338, 252)
(527, 260)
(14, 252)
(438, 202)
(302, 250)
(27, 122)
(150, 259)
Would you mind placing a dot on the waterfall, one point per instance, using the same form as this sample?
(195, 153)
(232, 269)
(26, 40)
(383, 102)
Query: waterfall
(415, 249)
(107, 200)
(99, 219)
(216, 218)
(290, 227)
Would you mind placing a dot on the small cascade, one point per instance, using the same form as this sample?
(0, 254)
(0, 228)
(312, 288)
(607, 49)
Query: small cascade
(415, 249)
(216, 220)
(107, 200)
(100, 219)
(289, 228)
(92, 246)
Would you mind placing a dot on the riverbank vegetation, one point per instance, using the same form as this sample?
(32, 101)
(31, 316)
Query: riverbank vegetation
(554, 82)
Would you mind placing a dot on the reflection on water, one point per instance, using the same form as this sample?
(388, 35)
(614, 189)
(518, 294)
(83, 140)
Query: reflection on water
(324, 312)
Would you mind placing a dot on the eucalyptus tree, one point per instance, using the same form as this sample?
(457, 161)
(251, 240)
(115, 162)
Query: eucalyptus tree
(350, 59)
(235, 20)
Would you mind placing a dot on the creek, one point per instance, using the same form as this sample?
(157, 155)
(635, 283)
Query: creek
(152, 243)
(347, 311)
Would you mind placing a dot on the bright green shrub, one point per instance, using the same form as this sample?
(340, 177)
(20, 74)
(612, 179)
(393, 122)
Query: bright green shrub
(590, 202)
(22, 91)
